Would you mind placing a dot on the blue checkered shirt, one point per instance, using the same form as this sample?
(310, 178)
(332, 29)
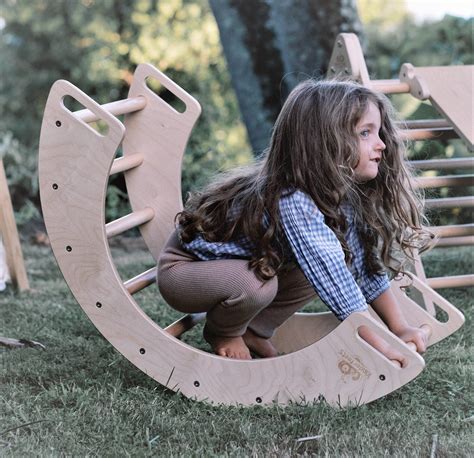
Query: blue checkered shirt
(318, 252)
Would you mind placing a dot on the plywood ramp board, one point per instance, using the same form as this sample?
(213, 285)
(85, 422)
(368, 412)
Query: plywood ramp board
(450, 90)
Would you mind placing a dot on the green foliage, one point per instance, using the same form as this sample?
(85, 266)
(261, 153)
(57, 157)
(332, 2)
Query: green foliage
(382, 14)
(97, 45)
(444, 42)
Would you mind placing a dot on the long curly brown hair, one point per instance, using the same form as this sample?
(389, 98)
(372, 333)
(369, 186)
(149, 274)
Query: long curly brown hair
(314, 148)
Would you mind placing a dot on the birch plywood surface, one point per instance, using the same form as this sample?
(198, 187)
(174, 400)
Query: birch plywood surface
(9, 232)
(160, 134)
(450, 91)
(303, 329)
(347, 59)
(74, 164)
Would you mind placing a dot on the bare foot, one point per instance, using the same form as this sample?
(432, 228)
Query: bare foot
(382, 346)
(230, 347)
(262, 347)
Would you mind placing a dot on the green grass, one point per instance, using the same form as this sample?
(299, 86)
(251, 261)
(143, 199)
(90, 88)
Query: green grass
(79, 397)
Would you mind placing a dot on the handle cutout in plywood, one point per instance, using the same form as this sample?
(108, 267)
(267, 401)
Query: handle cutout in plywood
(414, 294)
(381, 335)
(165, 94)
(74, 106)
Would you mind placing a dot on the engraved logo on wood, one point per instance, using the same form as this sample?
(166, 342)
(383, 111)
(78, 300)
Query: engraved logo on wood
(351, 366)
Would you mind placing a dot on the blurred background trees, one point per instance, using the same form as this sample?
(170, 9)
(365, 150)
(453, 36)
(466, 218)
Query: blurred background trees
(97, 44)
(271, 45)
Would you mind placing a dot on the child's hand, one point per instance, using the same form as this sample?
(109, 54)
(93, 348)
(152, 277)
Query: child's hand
(415, 335)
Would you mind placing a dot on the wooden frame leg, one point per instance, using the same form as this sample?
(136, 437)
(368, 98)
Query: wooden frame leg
(8, 229)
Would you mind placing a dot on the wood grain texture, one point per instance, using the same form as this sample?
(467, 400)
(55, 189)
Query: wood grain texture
(160, 134)
(333, 362)
(347, 60)
(456, 281)
(11, 240)
(450, 90)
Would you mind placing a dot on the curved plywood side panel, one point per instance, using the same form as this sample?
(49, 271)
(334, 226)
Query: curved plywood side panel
(303, 329)
(160, 133)
(74, 165)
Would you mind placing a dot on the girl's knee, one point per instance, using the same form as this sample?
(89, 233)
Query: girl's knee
(255, 293)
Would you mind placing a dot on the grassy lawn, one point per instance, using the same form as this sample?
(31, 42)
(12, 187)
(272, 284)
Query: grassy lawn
(79, 397)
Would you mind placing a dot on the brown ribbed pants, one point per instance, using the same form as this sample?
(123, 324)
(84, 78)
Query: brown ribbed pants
(229, 291)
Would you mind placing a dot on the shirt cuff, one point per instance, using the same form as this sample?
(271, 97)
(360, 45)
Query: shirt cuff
(378, 285)
(343, 315)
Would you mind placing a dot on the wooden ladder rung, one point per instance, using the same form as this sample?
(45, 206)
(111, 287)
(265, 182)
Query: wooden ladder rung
(424, 124)
(439, 133)
(455, 241)
(452, 230)
(394, 86)
(185, 323)
(446, 164)
(116, 108)
(129, 221)
(446, 180)
(141, 281)
(450, 202)
(456, 281)
(124, 163)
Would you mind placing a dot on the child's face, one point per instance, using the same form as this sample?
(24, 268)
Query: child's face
(370, 144)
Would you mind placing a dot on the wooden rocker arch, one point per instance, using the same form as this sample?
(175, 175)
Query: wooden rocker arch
(322, 357)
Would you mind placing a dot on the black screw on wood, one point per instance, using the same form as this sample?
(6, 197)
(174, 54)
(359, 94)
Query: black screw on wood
(142, 351)
(196, 384)
(58, 124)
(259, 400)
(382, 377)
(55, 186)
(68, 248)
(98, 305)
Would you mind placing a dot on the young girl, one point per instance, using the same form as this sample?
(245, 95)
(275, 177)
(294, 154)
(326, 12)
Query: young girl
(322, 213)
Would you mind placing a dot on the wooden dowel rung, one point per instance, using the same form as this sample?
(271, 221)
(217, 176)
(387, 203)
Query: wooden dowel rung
(450, 202)
(457, 281)
(390, 86)
(455, 241)
(424, 124)
(125, 163)
(116, 108)
(446, 164)
(446, 180)
(129, 221)
(452, 231)
(184, 324)
(444, 133)
(141, 281)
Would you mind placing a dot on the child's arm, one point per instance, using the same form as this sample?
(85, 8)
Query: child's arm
(388, 309)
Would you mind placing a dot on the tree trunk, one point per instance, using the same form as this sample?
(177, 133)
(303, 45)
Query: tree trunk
(270, 45)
